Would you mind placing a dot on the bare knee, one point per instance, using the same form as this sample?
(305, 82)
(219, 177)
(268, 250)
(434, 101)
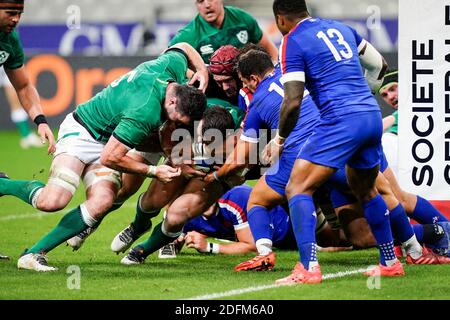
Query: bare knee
(50, 205)
(98, 205)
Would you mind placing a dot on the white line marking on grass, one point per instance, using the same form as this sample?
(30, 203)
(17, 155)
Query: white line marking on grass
(40, 214)
(236, 292)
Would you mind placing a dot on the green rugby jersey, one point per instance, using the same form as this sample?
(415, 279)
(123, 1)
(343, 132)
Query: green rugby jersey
(238, 29)
(394, 128)
(237, 113)
(131, 107)
(11, 51)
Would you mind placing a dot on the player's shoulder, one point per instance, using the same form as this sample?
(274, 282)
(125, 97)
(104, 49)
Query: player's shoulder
(237, 12)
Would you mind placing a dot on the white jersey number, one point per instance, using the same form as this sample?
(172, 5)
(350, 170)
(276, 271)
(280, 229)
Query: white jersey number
(129, 76)
(346, 53)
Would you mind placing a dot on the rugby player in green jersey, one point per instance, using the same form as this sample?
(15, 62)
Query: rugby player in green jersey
(216, 25)
(12, 59)
(94, 141)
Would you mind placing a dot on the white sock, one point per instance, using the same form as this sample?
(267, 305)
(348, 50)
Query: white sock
(87, 218)
(413, 247)
(264, 246)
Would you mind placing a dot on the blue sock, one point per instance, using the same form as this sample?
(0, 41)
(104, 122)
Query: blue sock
(377, 215)
(401, 228)
(418, 230)
(425, 213)
(260, 223)
(304, 219)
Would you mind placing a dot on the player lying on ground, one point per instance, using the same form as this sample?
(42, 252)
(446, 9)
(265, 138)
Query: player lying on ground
(95, 139)
(228, 219)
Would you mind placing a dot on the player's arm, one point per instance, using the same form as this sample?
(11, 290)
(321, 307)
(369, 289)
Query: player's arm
(195, 63)
(199, 241)
(245, 243)
(388, 122)
(269, 46)
(115, 156)
(290, 109)
(29, 98)
(374, 63)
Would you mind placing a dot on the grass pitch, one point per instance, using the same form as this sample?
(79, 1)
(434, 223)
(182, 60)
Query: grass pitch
(190, 275)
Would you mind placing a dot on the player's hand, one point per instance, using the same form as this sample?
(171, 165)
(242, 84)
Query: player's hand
(271, 152)
(188, 172)
(209, 178)
(197, 241)
(167, 173)
(46, 134)
(202, 77)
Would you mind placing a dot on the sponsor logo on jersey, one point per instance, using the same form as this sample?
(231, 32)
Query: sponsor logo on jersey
(207, 49)
(243, 36)
(3, 57)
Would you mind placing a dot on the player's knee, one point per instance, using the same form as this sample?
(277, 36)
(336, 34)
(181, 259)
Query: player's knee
(151, 201)
(100, 204)
(51, 203)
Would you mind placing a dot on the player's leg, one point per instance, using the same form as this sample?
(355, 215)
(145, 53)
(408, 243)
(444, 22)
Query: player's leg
(415, 206)
(306, 177)
(262, 199)
(130, 185)
(102, 186)
(149, 204)
(197, 197)
(62, 183)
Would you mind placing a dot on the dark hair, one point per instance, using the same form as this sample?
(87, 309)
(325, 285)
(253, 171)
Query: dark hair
(217, 117)
(254, 62)
(191, 101)
(293, 8)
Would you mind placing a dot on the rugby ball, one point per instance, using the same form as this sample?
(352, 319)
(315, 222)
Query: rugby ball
(203, 164)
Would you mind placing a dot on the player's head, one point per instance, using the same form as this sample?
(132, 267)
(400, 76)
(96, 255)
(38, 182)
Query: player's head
(222, 66)
(184, 104)
(211, 10)
(253, 66)
(288, 12)
(389, 88)
(10, 14)
(217, 118)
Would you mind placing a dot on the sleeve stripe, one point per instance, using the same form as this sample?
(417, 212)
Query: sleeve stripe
(361, 45)
(249, 139)
(241, 226)
(233, 208)
(283, 55)
(293, 76)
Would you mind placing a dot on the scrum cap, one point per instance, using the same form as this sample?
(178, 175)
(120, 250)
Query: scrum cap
(223, 60)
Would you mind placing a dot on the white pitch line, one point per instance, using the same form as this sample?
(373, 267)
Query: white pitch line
(236, 292)
(40, 214)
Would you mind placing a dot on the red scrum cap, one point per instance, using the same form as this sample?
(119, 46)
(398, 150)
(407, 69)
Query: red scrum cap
(223, 60)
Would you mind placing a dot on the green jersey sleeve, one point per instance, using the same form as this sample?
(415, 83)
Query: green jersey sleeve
(16, 57)
(138, 123)
(177, 65)
(186, 34)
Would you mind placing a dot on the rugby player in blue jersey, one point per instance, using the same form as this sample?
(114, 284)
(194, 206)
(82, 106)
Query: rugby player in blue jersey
(326, 56)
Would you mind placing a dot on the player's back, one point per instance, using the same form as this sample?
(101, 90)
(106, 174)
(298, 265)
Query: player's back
(327, 52)
(267, 101)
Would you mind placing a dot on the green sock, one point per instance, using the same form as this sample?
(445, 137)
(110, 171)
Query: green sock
(24, 128)
(142, 221)
(70, 225)
(22, 189)
(156, 241)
